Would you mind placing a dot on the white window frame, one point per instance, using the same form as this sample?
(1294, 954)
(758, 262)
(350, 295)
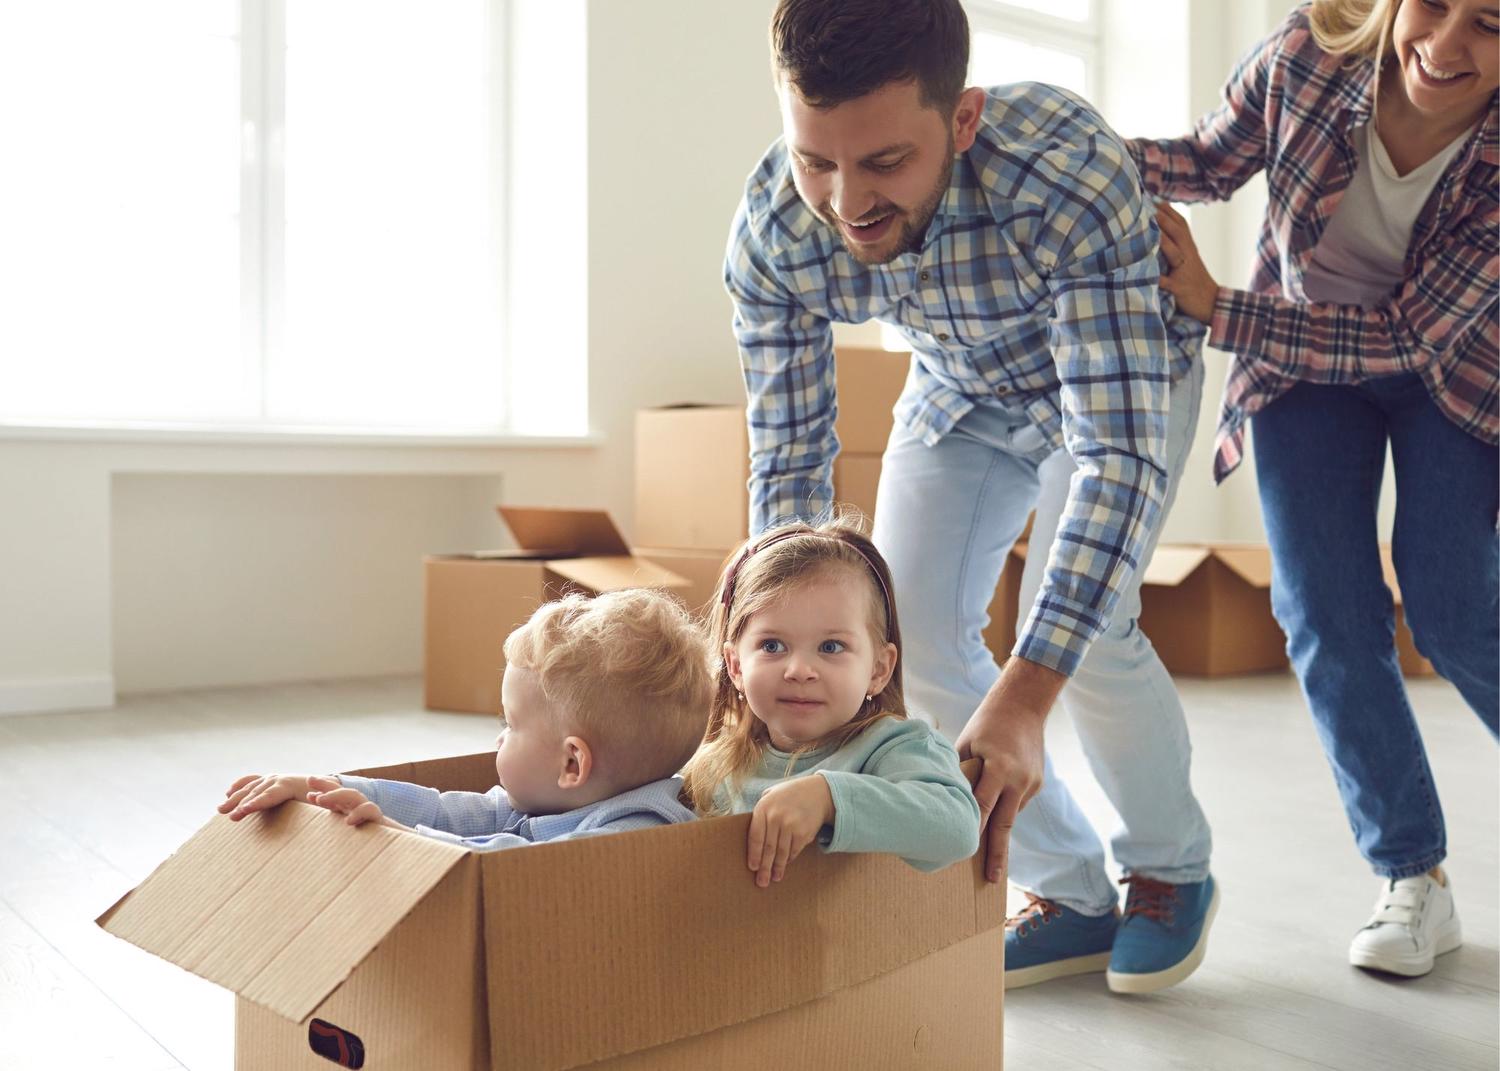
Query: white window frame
(1079, 37)
(262, 41)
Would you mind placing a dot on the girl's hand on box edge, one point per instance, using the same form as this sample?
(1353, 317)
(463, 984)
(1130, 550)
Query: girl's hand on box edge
(786, 819)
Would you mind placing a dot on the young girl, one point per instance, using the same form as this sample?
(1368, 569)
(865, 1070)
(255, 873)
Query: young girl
(808, 728)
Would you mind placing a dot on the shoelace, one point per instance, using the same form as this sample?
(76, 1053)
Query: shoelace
(1149, 898)
(1037, 912)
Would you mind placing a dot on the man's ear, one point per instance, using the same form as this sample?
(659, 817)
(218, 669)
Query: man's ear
(732, 667)
(578, 763)
(966, 118)
(885, 665)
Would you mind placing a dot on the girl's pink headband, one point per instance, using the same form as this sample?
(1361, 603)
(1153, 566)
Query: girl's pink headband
(756, 548)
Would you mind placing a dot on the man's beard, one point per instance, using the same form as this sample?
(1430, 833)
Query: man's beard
(913, 225)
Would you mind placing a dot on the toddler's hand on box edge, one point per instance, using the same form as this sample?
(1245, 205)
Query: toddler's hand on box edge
(257, 792)
(354, 805)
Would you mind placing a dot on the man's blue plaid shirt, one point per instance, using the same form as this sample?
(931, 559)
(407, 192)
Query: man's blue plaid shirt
(1035, 289)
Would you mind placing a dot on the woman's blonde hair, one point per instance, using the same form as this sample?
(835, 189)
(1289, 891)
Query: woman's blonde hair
(631, 671)
(760, 572)
(1356, 29)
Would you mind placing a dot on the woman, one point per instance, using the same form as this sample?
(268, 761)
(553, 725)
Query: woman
(1370, 320)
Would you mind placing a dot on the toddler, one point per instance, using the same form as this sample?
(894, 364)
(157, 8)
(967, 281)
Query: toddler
(809, 729)
(603, 701)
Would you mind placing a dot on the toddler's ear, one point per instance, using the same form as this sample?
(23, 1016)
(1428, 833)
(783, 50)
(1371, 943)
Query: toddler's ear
(578, 763)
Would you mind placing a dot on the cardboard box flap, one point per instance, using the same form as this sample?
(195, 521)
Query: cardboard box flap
(564, 531)
(1251, 564)
(664, 955)
(251, 905)
(616, 573)
(1170, 566)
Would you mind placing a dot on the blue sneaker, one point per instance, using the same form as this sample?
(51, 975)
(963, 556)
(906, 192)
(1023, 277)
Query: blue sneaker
(1163, 933)
(1047, 940)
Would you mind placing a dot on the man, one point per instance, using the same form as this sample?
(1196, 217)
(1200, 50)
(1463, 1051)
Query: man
(1005, 235)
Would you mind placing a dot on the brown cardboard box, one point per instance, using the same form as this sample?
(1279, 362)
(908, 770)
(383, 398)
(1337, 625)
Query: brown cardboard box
(700, 568)
(473, 601)
(692, 463)
(1206, 608)
(643, 950)
(855, 480)
(869, 382)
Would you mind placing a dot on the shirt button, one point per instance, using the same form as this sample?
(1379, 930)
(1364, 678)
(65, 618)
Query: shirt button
(942, 336)
(1002, 390)
(924, 276)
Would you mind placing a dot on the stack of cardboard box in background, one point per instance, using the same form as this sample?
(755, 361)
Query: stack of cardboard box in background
(1206, 607)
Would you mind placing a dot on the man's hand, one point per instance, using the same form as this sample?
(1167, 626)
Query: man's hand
(1006, 734)
(1188, 279)
(785, 820)
(354, 805)
(255, 792)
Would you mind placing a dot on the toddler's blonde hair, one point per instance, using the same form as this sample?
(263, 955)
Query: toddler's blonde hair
(629, 671)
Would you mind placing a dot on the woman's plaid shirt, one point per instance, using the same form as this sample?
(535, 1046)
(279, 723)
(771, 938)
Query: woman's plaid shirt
(1035, 288)
(1289, 109)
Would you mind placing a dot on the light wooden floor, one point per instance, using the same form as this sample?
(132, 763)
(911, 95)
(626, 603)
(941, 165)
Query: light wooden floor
(90, 802)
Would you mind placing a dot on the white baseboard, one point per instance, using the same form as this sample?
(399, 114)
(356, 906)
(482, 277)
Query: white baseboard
(58, 693)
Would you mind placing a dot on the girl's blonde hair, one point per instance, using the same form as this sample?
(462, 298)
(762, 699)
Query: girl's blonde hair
(759, 573)
(1356, 29)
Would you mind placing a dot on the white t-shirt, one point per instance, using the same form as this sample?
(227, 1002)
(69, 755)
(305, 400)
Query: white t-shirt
(1361, 255)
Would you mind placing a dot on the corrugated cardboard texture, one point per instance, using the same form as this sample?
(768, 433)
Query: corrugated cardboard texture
(856, 477)
(916, 1017)
(700, 568)
(249, 905)
(418, 1001)
(691, 466)
(690, 944)
(869, 382)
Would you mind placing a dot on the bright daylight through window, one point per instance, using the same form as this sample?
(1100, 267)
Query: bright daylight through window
(256, 214)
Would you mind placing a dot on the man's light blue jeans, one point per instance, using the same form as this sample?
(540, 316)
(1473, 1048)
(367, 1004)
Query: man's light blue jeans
(947, 517)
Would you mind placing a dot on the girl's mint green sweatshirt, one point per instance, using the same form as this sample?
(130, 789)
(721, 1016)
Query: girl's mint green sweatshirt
(896, 788)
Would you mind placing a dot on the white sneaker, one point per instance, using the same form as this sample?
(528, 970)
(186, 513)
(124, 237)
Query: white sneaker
(1414, 922)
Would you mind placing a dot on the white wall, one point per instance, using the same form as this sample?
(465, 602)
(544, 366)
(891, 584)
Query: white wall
(144, 565)
(95, 595)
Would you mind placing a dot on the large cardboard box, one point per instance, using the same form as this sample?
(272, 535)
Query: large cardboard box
(700, 568)
(1207, 609)
(869, 382)
(651, 950)
(473, 601)
(692, 467)
(856, 477)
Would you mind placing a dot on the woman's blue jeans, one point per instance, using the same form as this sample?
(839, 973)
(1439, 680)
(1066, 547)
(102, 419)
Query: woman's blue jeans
(1320, 457)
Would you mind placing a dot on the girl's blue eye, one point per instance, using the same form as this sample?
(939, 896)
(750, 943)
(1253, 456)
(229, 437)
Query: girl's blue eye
(830, 647)
(771, 646)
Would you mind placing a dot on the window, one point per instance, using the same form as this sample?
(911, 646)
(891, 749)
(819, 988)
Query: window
(1052, 41)
(257, 214)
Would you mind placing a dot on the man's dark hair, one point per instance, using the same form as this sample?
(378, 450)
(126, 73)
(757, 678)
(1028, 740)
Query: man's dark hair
(833, 51)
